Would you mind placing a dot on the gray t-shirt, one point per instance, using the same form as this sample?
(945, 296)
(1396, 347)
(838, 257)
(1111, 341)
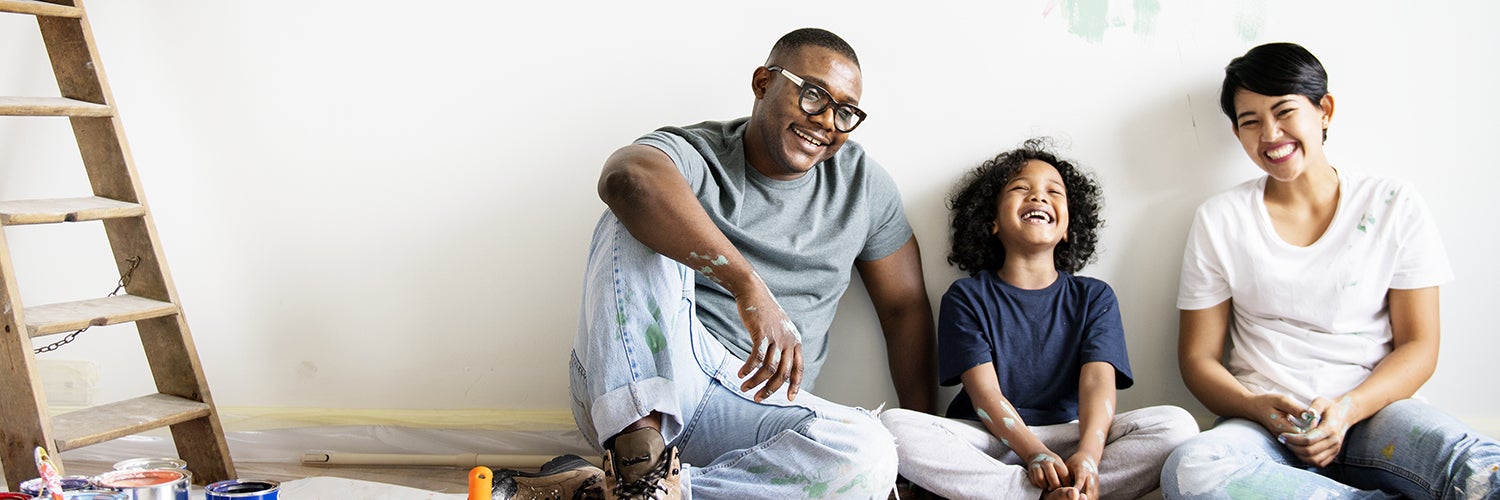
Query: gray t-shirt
(802, 236)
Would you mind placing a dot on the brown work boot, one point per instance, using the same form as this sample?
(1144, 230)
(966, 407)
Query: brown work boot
(639, 466)
(568, 477)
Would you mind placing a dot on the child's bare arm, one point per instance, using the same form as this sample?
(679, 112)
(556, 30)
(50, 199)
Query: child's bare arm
(1096, 411)
(1045, 468)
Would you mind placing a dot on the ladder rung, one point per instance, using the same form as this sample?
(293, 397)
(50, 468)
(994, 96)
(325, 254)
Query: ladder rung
(18, 212)
(68, 316)
(51, 106)
(122, 418)
(39, 8)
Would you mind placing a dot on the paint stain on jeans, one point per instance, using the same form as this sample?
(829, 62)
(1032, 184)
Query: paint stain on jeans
(656, 338)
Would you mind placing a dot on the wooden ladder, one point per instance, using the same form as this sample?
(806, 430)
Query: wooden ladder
(149, 300)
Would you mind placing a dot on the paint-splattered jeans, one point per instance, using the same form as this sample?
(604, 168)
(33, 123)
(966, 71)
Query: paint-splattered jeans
(960, 459)
(1408, 448)
(640, 348)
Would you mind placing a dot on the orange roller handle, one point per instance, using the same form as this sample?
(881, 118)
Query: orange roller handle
(481, 483)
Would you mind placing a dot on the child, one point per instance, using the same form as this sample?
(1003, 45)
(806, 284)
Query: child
(1040, 351)
(1322, 286)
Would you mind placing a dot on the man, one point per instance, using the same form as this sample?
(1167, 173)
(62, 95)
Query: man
(712, 282)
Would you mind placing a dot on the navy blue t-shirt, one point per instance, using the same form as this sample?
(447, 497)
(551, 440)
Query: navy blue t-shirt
(1038, 341)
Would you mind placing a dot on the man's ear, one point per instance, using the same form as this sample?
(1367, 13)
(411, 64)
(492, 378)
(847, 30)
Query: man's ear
(760, 81)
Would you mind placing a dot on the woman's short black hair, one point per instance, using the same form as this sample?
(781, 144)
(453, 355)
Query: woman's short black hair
(1274, 69)
(976, 199)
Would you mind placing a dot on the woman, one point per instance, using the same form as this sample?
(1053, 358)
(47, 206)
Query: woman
(1323, 283)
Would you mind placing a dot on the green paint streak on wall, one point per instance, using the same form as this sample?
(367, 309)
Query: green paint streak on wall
(1145, 17)
(1087, 18)
(1251, 19)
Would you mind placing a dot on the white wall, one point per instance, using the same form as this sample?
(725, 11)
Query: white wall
(381, 205)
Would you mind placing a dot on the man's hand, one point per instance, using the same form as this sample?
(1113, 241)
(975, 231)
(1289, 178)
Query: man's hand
(776, 354)
(1319, 443)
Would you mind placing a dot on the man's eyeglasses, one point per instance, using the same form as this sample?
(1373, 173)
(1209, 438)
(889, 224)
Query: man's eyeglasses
(814, 100)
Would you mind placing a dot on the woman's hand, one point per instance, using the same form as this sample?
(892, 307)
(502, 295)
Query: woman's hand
(1279, 414)
(1321, 441)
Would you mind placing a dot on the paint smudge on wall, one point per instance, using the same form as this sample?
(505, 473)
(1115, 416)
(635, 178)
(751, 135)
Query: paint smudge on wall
(1087, 18)
(1090, 19)
(1250, 20)
(1145, 17)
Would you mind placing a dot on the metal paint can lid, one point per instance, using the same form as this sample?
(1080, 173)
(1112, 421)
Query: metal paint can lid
(95, 495)
(122, 479)
(248, 489)
(151, 463)
(34, 487)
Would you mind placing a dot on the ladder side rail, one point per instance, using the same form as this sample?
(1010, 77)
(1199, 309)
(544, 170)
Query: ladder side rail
(24, 423)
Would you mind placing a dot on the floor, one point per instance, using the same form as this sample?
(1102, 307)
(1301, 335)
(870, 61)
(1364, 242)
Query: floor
(435, 479)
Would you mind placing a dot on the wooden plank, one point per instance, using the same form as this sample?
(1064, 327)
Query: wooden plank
(123, 418)
(68, 316)
(52, 106)
(36, 8)
(18, 212)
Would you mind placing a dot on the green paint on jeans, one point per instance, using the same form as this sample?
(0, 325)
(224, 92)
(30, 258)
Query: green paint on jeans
(656, 339)
(1257, 488)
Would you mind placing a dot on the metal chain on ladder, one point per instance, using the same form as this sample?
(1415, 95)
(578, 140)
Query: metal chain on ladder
(124, 280)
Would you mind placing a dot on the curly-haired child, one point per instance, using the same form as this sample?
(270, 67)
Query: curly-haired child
(1040, 351)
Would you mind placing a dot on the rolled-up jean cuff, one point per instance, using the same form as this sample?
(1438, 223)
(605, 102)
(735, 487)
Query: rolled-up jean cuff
(617, 409)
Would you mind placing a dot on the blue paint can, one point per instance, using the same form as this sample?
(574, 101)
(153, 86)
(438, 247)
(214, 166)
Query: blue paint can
(69, 483)
(94, 495)
(243, 489)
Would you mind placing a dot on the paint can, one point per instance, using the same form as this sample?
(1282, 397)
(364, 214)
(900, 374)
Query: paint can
(156, 464)
(159, 484)
(243, 489)
(94, 495)
(69, 483)
(11, 495)
(151, 463)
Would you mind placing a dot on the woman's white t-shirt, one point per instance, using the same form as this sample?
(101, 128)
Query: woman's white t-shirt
(1310, 321)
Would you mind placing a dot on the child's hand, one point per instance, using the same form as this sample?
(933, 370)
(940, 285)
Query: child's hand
(1320, 442)
(1047, 471)
(1085, 469)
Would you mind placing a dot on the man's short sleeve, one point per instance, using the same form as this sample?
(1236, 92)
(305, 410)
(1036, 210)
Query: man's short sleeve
(682, 152)
(889, 229)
